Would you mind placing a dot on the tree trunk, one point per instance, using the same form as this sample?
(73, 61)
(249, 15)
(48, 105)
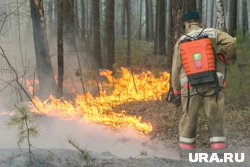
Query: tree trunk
(60, 47)
(227, 14)
(204, 13)
(149, 20)
(245, 17)
(87, 18)
(110, 33)
(160, 31)
(209, 13)
(167, 23)
(248, 13)
(50, 10)
(69, 23)
(83, 27)
(127, 7)
(77, 25)
(96, 34)
(177, 7)
(140, 20)
(232, 25)
(240, 15)
(214, 14)
(44, 67)
(51, 20)
(161, 28)
(199, 7)
(220, 15)
(123, 18)
(156, 39)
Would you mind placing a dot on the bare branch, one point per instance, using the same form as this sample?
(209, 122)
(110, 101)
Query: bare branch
(7, 15)
(16, 77)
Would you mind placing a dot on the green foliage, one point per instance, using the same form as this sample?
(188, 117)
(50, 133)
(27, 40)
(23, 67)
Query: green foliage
(239, 75)
(84, 154)
(23, 119)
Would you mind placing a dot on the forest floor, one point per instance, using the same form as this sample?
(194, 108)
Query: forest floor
(70, 158)
(164, 118)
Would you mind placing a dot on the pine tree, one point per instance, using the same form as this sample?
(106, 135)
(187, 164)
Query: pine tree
(44, 66)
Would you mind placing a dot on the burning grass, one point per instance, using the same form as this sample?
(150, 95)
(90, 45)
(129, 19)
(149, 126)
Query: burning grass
(128, 87)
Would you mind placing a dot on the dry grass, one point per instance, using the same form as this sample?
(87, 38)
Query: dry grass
(165, 118)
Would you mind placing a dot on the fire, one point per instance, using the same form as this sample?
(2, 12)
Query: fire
(128, 87)
(31, 85)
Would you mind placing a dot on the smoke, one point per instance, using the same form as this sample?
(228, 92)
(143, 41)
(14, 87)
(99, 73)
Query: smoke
(16, 38)
(54, 133)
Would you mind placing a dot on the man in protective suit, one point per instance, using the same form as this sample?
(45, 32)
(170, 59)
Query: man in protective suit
(211, 100)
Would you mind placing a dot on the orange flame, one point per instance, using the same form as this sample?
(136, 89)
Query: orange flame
(128, 87)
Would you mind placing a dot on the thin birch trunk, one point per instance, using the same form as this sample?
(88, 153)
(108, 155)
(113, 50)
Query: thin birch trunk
(239, 15)
(140, 26)
(220, 15)
(204, 13)
(209, 12)
(248, 13)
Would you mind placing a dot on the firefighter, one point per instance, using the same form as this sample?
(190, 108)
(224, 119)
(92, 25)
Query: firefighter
(211, 100)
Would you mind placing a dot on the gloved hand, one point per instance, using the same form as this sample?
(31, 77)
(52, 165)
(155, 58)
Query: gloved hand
(177, 101)
(172, 98)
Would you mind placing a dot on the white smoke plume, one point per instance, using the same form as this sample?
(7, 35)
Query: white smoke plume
(54, 133)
